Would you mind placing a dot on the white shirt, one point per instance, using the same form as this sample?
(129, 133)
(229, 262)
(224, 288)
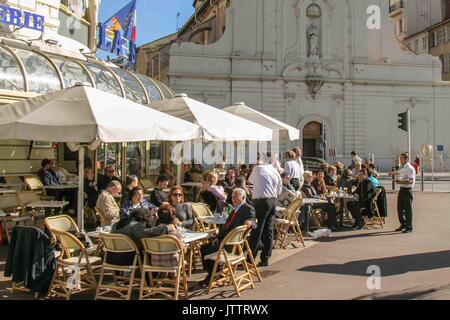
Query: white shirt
(266, 182)
(292, 168)
(406, 173)
(302, 168)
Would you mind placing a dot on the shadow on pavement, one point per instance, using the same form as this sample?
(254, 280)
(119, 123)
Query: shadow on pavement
(410, 294)
(389, 266)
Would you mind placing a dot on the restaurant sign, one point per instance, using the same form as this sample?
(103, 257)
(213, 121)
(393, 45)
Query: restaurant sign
(21, 19)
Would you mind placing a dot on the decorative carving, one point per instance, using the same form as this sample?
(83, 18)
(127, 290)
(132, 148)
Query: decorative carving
(315, 83)
(313, 39)
(314, 11)
(292, 52)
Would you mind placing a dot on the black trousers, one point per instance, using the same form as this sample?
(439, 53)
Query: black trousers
(404, 207)
(265, 213)
(355, 209)
(295, 183)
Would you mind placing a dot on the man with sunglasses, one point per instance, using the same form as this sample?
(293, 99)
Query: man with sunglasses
(105, 179)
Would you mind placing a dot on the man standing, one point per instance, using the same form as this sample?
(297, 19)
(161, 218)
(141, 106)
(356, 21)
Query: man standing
(298, 157)
(406, 179)
(267, 186)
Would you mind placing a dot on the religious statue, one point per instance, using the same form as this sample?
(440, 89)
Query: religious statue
(313, 37)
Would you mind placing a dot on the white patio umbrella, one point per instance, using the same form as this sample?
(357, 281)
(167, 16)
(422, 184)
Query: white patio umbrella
(286, 133)
(217, 125)
(86, 115)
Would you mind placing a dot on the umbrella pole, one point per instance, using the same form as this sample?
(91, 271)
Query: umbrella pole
(80, 198)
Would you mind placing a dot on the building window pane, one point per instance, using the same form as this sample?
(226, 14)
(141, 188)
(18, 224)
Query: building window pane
(41, 74)
(150, 87)
(71, 72)
(104, 79)
(11, 77)
(133, 88)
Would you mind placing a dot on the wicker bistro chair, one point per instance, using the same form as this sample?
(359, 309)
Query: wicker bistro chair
(34, 184)
(163, 245)
(249, 256)
(200, 211)
(230, 262)
(74, 271)
(288, 225)
(15, 180)
(10, 204)
(376, 219)
(27, 197)
(124, 276)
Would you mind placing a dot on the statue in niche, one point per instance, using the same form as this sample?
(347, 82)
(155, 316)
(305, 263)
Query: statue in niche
(313, 39)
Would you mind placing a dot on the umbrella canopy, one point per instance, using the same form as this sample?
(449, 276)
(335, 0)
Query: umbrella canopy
(216, 124)
(84, 114)
(285, 131)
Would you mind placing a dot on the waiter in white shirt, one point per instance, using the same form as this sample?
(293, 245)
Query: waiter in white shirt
(298, 157)
(267, 186)
(406, 178)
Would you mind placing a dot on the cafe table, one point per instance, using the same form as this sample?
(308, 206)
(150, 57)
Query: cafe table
(7, 191)
(342, 197)
(61, 186)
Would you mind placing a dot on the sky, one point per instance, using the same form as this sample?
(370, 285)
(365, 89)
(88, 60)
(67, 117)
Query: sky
(155, 18)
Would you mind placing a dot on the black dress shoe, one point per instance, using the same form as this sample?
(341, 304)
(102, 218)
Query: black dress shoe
(360, 227)
(407, 231)
(263, 264)
(400, 229)
(204, 283)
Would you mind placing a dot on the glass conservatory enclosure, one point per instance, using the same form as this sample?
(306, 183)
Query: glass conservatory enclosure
(26, 71)
(38, 72)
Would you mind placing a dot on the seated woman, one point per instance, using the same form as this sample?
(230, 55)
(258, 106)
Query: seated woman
(90, 188)
(136, 201)
(373, 179)
(166, 220)
(331, 177)
(211, 193)
(183, 211)
(136, 226)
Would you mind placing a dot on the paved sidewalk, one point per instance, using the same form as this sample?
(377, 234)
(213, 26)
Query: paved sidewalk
(413, 266)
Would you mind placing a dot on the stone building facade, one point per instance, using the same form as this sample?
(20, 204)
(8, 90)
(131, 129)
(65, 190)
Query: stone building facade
(316, 62)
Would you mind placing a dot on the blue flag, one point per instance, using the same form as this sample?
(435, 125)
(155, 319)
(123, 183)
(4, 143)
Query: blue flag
(123, 21)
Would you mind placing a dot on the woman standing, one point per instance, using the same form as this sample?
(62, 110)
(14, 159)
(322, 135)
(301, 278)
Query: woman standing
(292, 169)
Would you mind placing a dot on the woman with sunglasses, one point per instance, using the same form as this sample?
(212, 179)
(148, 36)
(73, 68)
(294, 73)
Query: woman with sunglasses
(136, 201)
(183, 211)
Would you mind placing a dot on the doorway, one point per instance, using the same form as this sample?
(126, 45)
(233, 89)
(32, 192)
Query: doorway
(312, 137)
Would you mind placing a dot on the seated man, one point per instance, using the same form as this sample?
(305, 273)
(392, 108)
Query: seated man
(106, 203)
(131, 182)
(288, 194)
(229, 183)
(310, 192)
(319, 183)
(158, 196)
(104, 179)
(49, 177)
(243, 214)
(363, 194)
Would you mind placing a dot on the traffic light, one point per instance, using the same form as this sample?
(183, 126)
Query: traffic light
(403, 121)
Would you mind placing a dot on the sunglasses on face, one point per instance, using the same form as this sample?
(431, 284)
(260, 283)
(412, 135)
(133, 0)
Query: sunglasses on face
(177, 195)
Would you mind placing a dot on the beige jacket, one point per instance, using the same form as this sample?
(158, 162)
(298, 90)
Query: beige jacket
(108, 208)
